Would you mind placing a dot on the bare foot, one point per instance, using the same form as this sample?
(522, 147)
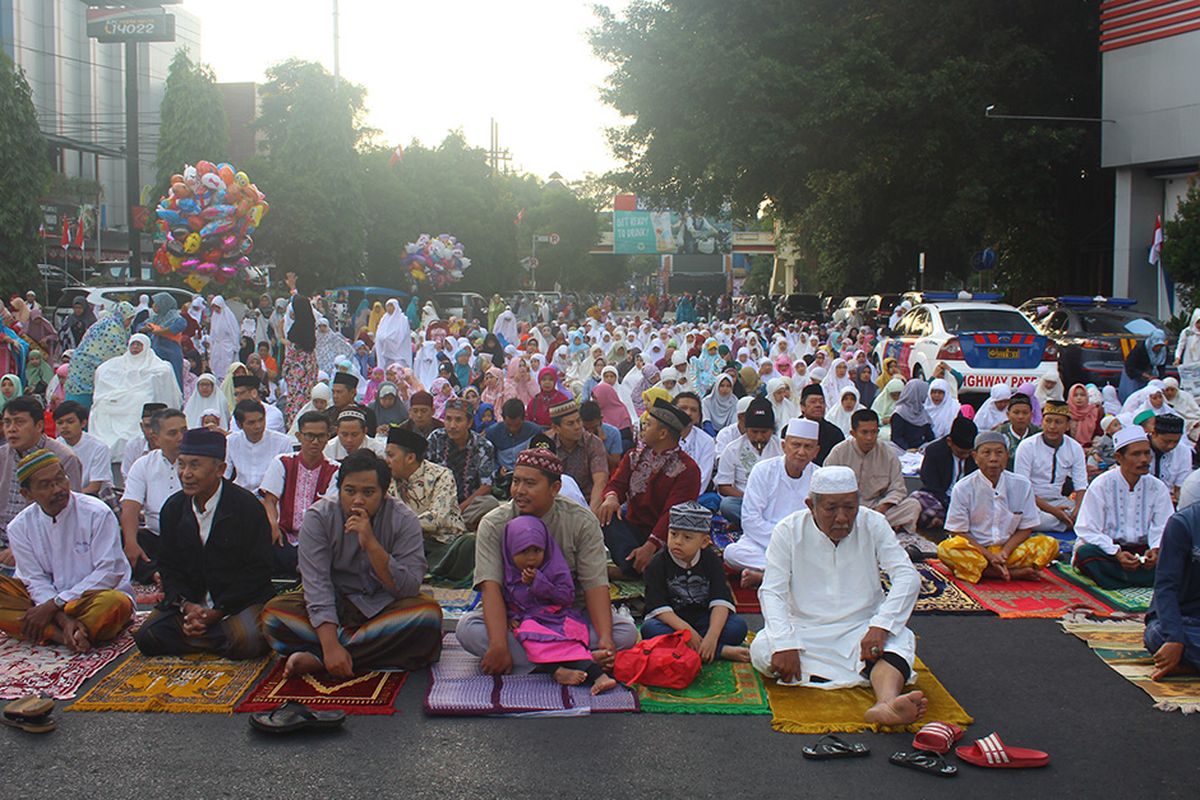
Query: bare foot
(736, 654)
(904, 709)
(603, 684)
(751, 578)
(302, 663)
(570, 677)
(1026, 574)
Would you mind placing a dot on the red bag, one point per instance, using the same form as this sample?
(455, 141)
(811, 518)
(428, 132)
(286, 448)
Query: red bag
(665, 661)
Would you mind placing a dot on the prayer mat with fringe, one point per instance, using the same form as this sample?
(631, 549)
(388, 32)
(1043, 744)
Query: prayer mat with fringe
(1049, 597)
(191, 683)
(53, 670)
(1133, 599)
(371, 693)
(1119, 644)
(805, 709)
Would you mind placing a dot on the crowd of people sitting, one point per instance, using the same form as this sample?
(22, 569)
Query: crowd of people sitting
(538, 462)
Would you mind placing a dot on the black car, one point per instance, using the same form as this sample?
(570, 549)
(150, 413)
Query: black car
(1094, 339)
(880, 308)
(799, 308)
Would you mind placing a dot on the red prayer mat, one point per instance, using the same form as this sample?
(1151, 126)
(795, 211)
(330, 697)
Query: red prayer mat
(372, 693)
(1050, 597)
(744, 600)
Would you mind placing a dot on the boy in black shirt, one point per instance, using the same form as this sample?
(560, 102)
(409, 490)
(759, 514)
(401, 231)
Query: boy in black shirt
(686, 589)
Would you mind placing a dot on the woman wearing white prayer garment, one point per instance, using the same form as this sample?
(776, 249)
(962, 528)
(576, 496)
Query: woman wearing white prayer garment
(126, 383)
(224, 337)
(941, 406)
(393, 337)
(835, 380)
(208, 395)
(779, 392)
(827, 622)
(841, 412)
(993, 412)
(1050, 387)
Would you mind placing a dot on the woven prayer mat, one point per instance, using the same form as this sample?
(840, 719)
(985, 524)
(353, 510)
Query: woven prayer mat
(805, 709)
(722, 687)
(458, 688)
(192, 683)
(53, 670)
(620, 591)
(372, 693)
(455, 603)
(1119, 644)
(1134, 599)
(147, 594)
(1050, 597)
(938, 595)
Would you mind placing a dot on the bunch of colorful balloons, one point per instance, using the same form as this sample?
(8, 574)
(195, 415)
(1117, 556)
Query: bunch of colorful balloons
(435, 259)
(205, 222)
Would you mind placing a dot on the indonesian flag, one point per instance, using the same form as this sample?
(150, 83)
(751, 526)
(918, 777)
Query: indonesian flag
(66, 234)
(1156, 247)
(79, 235)
(520, 216)
(397, 156)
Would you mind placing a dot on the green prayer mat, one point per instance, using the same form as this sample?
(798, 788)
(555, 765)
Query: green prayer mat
(1134, 599)
(626, 590)
(722, 687)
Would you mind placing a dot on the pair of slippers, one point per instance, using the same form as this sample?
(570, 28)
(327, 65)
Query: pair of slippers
(292, 717)
(934, 741)
(30, 714)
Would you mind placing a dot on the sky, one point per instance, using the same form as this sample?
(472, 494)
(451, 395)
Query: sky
(431, 67)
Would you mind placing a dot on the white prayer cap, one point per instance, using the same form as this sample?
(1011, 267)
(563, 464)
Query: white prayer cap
(804, 429)
(1128, 435)
(669, 374)
(744, 403)
(679, 357)
(1108, 420)
(833, 480)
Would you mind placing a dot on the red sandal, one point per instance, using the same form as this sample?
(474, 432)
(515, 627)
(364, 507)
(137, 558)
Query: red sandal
(937, 737)
(991, 752)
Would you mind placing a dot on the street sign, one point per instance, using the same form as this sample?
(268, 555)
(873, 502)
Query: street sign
(109, 25)
(554, 238)
(533, 263)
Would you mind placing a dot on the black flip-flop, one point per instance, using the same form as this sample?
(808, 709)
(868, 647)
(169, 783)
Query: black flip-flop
(924, 761)
(832, 746)
(292, 716)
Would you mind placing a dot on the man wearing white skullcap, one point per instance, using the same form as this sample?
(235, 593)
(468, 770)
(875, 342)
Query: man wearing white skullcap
(827, 621)
(1121, 519)
(776, 487)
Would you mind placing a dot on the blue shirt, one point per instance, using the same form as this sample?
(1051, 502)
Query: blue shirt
(1177, 576)
(509, 446)
(612, 440)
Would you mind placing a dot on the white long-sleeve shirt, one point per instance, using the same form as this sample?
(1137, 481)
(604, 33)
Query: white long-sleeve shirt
(251, 459)
(1047, 468)
(771, 494)
(1112, 514)
(703, 450)
(741, 457)
(77, 551)
(820, 598)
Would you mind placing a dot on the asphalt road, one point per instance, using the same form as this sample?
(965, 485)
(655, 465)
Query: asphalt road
(1026, 679)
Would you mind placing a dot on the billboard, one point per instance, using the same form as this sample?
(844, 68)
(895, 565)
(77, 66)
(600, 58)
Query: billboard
(638, 230)
(110, 25)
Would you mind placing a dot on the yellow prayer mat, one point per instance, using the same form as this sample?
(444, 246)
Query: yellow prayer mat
(804, 709)
(192, 683)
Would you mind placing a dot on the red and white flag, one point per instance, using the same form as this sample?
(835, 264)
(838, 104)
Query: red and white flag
(66, 234)
(1156, 246)
(79, 235)
(397, 156)
(520, 216)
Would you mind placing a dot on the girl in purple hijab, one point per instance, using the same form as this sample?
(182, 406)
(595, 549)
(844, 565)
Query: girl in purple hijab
(1030, 390)
(539, 593)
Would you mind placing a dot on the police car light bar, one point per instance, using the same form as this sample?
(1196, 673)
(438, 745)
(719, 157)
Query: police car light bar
(951, 297)
(1098, 300)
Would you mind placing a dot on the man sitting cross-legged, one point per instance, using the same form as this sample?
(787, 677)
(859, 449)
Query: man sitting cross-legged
(991, 518)
(362, 559)
(827, 633)
(215, 560)
(1173, 624)
(485, 631)
(72, 581)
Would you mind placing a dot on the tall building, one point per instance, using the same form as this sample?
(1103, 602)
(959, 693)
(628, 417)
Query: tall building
(78, 89)
(1151, 132)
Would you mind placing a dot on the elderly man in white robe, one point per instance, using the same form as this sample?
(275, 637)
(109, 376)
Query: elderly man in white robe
(827, 622)
(776, 487)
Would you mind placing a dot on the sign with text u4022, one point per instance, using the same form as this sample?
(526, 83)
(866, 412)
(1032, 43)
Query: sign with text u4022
(130, 25)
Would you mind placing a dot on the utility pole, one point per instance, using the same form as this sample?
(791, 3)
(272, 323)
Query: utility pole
(337, 68)
(497, 155)
(132, 154)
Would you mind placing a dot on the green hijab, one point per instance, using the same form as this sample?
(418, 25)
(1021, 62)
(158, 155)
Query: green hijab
(41, 372)
(20, 390)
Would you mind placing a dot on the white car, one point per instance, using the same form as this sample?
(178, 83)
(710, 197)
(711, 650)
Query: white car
(104, 298)
(987, 343)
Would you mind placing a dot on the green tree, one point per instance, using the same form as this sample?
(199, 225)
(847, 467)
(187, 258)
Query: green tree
(1181, 245)
(194, 127)
(311, 174)
(24, 171)
(560, 211)
(862, 125)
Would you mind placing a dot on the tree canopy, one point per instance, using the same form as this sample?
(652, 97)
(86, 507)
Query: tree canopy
(1181, 246)
(24, 171)
(194, 126)
(862, 125)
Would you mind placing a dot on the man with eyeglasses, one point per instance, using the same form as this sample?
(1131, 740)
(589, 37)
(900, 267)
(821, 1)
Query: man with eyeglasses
(292, 483)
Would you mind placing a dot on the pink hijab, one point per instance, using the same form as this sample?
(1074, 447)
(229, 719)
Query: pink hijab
(612, 410)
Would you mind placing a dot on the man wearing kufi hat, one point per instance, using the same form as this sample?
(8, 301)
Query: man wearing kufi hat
(1019, 426)
(947, 461)
(1121, 519)
(827, 634)
(880, 482)
(1170, 457)
(758, 443)
(420, 414)
(215, 560)
(731, 432)
(651, 478)
(429, 490)
(777, 486)
(991, 519)
(72, 581)
(1056, 466)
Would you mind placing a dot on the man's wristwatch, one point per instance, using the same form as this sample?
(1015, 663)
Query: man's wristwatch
(59, 602)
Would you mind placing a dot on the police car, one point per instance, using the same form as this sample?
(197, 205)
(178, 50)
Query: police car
(988, 343)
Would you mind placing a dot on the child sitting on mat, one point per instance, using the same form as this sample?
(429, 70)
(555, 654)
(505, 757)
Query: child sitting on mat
(538, 591)
(686, 589)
